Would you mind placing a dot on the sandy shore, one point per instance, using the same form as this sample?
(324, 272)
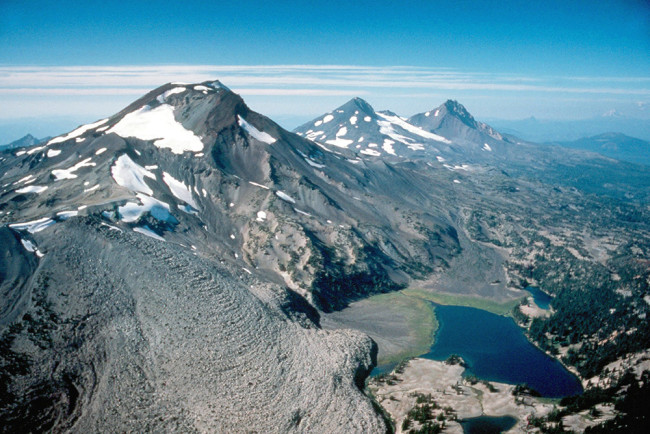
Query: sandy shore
(448, 388)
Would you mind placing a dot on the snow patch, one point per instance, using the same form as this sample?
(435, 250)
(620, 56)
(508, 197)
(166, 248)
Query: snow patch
(396, 120)
(33, 226)
(130, 175)
(28, 245)
(456, 181)
(338, 141)
(158, 124)
(152, 167)
(53, 153)
(27, 179)
(427, 114)
(61, 174)
(261, 216)
(35, 150)
(466, 167)
(100, 151)
(179, 190)
(312, 163)
(64, 215)
(327, 118)
(219, 85)
(299, 211)
(353, 120)
(255, 133)
(93, 188)
(318, 123)
(388, 146)
(32, 189)
(284, 196)
(256, 185)
(367, 119)
(201, 88)
(163, 97)
(371, 152)
(313, 135)
(188, 209)
(440, 159)
(487, 147)
(76, 133)
(131, 212)
(144, 230)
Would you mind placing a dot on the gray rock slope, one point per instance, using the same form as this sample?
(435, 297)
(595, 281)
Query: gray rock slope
(123, 333)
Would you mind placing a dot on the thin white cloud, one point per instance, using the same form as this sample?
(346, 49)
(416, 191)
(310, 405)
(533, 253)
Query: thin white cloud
(301, 79)
(296, 90)
(73, 91)
(302, 92)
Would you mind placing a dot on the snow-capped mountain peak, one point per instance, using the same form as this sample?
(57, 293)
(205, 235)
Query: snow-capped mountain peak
(356, 126)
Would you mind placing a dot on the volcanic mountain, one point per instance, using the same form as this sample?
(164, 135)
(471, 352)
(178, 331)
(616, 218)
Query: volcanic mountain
(166, 268)
(155, 250)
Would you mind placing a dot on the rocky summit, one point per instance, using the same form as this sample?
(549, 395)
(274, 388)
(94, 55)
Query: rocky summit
(166, 268)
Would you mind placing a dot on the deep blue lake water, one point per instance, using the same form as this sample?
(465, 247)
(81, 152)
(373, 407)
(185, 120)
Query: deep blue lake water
(542, 299)
(497, 350)
(487, 424)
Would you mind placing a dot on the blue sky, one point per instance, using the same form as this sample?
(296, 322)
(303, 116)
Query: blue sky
(502, 59)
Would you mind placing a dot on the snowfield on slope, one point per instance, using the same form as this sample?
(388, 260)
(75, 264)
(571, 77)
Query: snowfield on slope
(160, 125)
(128, 174)
(255, 133)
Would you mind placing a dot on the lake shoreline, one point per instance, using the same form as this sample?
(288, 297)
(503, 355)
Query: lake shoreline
(448, 387)
(497, 349)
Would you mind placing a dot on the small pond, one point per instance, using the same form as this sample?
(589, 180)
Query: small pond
(488, 424)
(542, 299)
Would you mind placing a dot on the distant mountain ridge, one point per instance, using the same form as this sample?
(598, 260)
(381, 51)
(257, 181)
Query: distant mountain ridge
(24, 142)
(614, 145)
(545, 130)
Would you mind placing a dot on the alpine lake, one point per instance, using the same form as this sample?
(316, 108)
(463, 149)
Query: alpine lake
(492, 345)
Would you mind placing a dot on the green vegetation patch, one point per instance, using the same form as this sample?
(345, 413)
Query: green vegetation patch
(504, 309)
(421, 321)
